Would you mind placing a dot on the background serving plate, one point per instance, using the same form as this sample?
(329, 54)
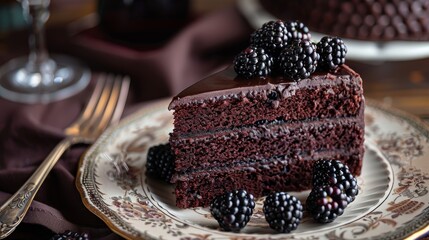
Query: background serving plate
(393, 201)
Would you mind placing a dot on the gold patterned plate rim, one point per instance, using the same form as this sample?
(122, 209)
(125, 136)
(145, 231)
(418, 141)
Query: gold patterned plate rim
(394, 202)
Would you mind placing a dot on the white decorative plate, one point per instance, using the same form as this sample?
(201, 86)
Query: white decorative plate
(393, 200)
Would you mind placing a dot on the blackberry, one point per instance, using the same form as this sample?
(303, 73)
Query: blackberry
(69, 235)
(298, 31)
(282, 211)
(299, 60)
(332, 51)
(273, 36)
(335, 173)
(160, 162)
(326, 203)
(253, 62)
(233, 209)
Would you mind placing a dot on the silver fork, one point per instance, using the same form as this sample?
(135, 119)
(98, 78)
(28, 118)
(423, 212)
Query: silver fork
(104, 108)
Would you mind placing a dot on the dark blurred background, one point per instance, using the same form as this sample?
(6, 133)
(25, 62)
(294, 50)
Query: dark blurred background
(123, 36)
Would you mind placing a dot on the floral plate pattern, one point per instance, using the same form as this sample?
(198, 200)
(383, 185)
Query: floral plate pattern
(393, 202)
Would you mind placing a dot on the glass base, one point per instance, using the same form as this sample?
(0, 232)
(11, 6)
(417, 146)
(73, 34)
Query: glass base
(68, 78)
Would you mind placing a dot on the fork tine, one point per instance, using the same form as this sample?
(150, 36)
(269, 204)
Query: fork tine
(94, 98)
(100, 107)
(111, 110)
(110, 105)
(116, 103)
(125, 86)
(90, 106)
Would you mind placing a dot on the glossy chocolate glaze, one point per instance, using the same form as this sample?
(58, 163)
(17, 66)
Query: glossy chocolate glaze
(226, 84)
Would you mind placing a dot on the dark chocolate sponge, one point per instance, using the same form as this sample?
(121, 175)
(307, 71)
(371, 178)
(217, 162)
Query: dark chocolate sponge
(263, 134)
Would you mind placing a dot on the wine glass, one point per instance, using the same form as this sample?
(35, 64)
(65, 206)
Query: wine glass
(39, 77)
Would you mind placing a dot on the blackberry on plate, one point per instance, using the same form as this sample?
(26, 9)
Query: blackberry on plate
(299, 60)
(283, 212)
(273, 36)
(332, 51)
(253, 62)
(326, 203)
(233, 209)
(69, 235)
(160, 162)
(298, 31)
(335, 173)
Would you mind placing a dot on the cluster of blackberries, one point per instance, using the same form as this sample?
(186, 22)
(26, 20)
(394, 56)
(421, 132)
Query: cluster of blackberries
(233, 210)
(285, 47)
(160, 162)
(334, 187)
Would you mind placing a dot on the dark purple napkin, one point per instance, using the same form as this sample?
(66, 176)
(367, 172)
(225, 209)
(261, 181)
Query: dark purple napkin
(29, 132)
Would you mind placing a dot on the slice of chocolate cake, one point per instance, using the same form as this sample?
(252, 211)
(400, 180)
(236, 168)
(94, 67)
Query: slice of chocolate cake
(261, 124)
(263, 134)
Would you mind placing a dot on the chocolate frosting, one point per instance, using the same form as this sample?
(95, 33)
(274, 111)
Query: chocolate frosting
(227, 84)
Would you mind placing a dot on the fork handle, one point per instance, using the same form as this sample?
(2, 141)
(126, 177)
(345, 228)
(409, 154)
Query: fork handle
(14, 209)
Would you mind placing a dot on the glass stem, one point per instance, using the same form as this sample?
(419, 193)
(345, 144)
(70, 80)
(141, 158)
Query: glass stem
(37, 13)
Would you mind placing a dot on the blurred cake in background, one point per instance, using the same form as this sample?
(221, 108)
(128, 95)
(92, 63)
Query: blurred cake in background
(358, 19)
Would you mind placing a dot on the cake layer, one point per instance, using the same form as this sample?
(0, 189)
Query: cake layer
(198, 188)
(242, 102)
(263, 141)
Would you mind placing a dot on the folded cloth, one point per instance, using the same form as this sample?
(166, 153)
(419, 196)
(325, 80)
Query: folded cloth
(29, 132)
(205, 46)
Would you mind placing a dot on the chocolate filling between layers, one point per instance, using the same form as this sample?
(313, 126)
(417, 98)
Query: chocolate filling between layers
(198, 188)
(262, 142)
